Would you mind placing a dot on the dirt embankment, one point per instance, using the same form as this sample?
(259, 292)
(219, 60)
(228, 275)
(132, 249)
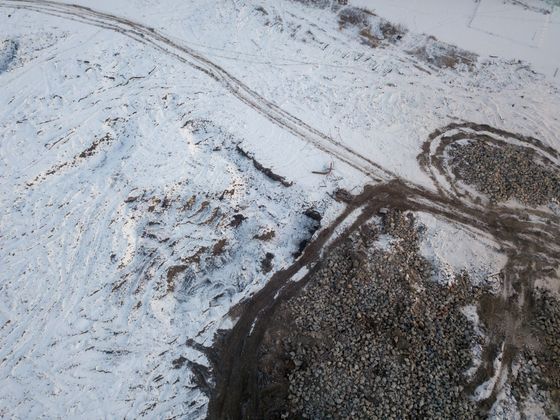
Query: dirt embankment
(261, 370)
(371, 334)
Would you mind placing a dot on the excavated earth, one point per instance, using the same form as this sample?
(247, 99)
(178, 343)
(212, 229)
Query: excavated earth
(373, 336)
(369, 333)
(506, 172)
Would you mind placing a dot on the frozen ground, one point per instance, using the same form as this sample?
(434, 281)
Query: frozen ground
(526, 30)
(132, 215)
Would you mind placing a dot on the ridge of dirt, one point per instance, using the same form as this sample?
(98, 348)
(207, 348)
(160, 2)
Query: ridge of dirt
(266, 171)
(371, 333)
(532, 245)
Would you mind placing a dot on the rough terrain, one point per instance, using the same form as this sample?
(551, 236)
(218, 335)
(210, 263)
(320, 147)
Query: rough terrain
(371, 336)
(165, 185)
(506, 172)
(368, 332)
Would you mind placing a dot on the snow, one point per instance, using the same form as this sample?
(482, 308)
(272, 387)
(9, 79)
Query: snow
(487, 27)
(471, 313)
(484, 390)
(452, 249)
(85, 264)
(120, 175)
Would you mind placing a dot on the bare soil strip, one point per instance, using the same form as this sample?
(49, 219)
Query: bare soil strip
(235, 356)
(531, 244)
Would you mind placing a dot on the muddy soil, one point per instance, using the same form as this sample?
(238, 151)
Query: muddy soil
(275, 361)
(371, 336)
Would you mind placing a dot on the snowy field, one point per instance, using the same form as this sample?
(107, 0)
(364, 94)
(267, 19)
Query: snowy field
(152, 153)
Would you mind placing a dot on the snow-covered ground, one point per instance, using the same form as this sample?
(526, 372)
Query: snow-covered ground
(131, 214)
(526, 30)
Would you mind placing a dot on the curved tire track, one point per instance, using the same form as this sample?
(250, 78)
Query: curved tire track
(234, 356)
(528, 254)
(193, 58)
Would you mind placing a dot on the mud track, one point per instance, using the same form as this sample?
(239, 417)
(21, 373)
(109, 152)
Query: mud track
(433, 157)
(532, 246)
(149, 36)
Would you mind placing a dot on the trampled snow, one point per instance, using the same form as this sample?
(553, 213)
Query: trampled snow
(129, 219)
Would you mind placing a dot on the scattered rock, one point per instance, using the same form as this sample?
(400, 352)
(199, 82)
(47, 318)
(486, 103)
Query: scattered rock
(370, 334)
(505, 172)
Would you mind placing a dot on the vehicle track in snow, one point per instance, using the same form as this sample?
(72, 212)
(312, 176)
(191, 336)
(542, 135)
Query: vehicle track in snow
(235, 356)
(531, 244)
(150, 36)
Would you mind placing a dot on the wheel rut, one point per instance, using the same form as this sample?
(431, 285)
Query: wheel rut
(532, 246)
(529, 237)
(151, 37)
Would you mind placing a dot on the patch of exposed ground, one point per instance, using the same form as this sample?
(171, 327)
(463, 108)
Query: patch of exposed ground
(8, 51)
(267, 171)
(371, 334)
(538, 376)
(265, 235)
(316, 3)
(505, 172)
(373, 30)
(442, 56)
(87, 153)
(323, 348)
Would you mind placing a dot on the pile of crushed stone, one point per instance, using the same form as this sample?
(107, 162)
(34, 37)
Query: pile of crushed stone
(505, 172)
(371, 335)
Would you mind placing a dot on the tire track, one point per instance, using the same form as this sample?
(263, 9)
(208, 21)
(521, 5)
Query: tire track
(234, 354)
(150, 36)
(531, 245)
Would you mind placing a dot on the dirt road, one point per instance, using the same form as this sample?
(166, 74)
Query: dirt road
(187, 55)
(532, 245)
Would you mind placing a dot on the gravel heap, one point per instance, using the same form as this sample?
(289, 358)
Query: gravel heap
(505, 172)
(538, 378)
(371, 336)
